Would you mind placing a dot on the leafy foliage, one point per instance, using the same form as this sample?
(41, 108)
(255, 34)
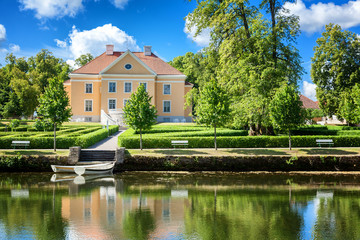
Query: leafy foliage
(84, 59)
(23, 80)
(213, 106)
(139, 114)
(286, 109)
(335, 68)
(54, 104)
(251, 55)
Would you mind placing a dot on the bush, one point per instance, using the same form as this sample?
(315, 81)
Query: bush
(239, 142)
(14, 124)
(62, 142)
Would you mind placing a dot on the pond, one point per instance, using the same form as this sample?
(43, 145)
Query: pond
(143, 205)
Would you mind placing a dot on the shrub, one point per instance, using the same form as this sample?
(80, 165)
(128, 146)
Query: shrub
(44, 142)
(14, 124)
(239, 142)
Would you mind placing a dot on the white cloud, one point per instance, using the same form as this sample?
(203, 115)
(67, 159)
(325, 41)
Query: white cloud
(52, 8)
(309, 90)
(314, 18)
(202, 40)
(120, 3)
(93, 41)
(71, 63)
(14, 48)
(2, 33)
(61, 44)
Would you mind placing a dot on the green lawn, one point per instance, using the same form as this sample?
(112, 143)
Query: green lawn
(31, 152)
(245, 152)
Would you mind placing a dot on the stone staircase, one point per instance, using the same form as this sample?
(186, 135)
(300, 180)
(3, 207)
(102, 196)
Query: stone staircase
(97, 155)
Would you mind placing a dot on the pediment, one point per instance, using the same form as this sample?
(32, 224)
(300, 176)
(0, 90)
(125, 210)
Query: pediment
(137, 66)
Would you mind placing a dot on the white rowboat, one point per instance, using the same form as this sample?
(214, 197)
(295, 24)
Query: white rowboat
(101, 168)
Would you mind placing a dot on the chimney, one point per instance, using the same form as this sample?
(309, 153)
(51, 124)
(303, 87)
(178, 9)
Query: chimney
(147, 50)
(109, 49)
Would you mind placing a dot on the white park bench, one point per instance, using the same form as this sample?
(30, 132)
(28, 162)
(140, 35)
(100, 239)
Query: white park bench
(179, 143)
(20, 144)
(328, 142)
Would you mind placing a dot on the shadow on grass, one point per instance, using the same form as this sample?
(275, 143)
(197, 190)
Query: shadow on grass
(181, 152)
(256, 152)
(27, 152)
(328, 151)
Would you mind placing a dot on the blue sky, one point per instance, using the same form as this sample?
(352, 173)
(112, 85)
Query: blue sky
(69, 28)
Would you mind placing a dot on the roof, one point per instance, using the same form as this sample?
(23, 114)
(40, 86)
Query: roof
(154, 62)
(308, 103)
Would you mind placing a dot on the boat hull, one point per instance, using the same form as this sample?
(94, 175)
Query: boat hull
(103, 168)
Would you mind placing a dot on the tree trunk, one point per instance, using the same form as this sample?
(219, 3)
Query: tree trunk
(54, 137)
(243, 16)
(140, 139)
(289, 140)
(273, 22)
(215, 136)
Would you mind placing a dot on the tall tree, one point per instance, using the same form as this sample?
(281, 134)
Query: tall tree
(139, 114)
(286, 109)
(253, 55)
(335, 66)
(54, 104)
(45, 66)
(213, 106)
(84, 59)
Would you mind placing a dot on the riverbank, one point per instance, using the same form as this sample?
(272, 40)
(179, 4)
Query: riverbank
(236, 160)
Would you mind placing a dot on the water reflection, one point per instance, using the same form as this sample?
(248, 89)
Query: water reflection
(179, 206)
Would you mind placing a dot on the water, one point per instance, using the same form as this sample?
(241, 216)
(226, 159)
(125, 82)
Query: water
(179, 206)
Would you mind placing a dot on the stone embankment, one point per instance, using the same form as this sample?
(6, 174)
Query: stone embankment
(127, 162)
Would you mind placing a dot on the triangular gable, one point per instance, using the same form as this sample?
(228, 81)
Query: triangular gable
(117, 66)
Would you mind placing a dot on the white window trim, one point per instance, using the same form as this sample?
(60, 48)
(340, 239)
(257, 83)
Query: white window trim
(109, 87)
(163, 106)
(164, 89)
(130, 87)
(92, 88)
(145, 85)
(92, 105)
(109, 103)
(127, 99)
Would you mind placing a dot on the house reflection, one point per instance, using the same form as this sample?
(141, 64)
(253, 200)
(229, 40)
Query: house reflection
(101, 213)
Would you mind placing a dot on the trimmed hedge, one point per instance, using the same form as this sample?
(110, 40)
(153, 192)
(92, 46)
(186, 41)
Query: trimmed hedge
(238, 142)
(63, 142)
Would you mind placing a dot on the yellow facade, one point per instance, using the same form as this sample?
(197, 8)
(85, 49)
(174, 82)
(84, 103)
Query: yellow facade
(114, 85)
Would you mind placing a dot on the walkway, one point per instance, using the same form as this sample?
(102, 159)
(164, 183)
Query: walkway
(109, 143)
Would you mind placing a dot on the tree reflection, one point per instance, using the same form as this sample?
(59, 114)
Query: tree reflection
(138, 224)
(40, 215)
(241, 216)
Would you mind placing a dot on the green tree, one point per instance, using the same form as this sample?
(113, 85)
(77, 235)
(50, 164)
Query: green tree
(84, 59)
(251, 54)
(54, 104)
(139, 114)
(335, 66)
(347, 108)
(213, 107)
(45, 66)
(356, 97)
(286, 109)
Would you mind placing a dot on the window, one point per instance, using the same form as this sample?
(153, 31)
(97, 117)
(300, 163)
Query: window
(88, 119)
(88, 87)
(112, 104)
(145, 85)
(166, 119)
(125, 102)
(127, 87)
(167, 106)
(167, 89)
(112, 87)
(88, 105)
(128, 66)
